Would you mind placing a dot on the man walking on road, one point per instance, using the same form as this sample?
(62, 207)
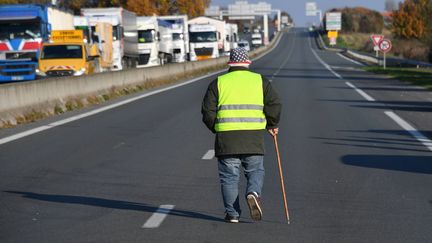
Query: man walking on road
(239, 106)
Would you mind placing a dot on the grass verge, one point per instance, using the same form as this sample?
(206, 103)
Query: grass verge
(417, 76)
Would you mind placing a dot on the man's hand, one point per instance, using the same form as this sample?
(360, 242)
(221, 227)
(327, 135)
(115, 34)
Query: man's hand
(273, 131)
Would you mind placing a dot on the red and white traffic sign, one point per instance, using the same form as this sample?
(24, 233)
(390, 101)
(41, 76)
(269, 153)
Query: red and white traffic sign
(385, 45)
(377, 39)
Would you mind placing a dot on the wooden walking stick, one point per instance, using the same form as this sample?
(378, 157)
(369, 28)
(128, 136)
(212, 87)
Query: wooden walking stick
(281, 178)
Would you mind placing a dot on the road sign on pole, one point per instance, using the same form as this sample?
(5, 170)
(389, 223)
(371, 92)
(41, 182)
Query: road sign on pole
(334, 21)
(311, 9)
(377, 39)
(385, 46)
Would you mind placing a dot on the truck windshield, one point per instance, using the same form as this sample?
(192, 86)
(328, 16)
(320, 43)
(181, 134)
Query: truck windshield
(61, 51)
(117, 32)
(20, 29)
(145, 36)
(177, 36)
(202, 37)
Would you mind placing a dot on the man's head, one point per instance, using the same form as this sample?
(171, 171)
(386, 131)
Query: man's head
(239, 58)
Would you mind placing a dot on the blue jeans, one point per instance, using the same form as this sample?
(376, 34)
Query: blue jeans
(229, 174)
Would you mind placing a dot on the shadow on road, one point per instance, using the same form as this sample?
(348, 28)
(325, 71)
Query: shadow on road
(114, 204)
(411, 163)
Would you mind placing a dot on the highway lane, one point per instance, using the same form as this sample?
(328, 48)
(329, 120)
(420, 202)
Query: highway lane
(352, 174)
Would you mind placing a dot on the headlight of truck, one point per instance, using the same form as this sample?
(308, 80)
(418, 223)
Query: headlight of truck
(79, 72)
(40, 73)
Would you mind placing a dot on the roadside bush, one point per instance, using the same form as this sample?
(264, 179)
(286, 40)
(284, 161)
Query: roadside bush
(411, 49)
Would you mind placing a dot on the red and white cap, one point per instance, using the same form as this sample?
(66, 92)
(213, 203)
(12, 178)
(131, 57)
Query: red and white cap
(239, 57)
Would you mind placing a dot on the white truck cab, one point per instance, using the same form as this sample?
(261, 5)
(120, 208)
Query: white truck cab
(203, 42)
(148, 42)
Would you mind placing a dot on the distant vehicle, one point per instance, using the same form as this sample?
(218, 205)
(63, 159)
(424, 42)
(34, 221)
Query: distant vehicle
(180, 33)
(244, 44)
(231, 37)
(246, 30)
(226, 32)
(23, 29)
(67, 55)
(203, 42)
(257, 39)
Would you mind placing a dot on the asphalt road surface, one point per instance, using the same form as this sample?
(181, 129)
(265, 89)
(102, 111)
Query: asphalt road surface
(357, 164)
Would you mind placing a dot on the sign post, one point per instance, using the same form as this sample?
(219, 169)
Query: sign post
(333, 24)
(385, 46)
(376, 39)
(332, 35)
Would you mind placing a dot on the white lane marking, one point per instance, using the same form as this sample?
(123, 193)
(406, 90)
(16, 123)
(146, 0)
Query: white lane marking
(209, 155)
(361, 92)
(322, 62)
(414, 132)
(158, 217)
(96, 111)
(349, 59)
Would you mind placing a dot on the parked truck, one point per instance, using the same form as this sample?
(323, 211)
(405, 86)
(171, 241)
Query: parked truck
(203, 42)
(99, 34)
(124, 33)
(148, 41)
(180, 36)
(23, 29)
(231, 37)
(67, 54)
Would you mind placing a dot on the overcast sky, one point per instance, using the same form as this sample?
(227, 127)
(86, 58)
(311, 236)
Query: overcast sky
(296, 8)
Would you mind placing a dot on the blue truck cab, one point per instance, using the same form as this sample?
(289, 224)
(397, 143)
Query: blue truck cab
(23, 29)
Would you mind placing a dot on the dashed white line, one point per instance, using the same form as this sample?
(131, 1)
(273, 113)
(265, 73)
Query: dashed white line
(158, 217)
(361, 92)
(209, 155)
(414, 132)
(349, 59)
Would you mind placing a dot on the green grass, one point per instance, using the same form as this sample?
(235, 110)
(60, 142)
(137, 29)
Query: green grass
(421, 77)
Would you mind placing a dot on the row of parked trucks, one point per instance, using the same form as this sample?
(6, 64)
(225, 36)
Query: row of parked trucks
(39, 40)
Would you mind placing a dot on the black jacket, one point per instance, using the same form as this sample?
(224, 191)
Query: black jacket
(242, 141)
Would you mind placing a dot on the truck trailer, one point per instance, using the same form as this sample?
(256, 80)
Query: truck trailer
(124, 33)
(23, 29)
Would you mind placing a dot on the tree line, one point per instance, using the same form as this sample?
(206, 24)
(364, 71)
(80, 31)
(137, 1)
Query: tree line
(192, 8)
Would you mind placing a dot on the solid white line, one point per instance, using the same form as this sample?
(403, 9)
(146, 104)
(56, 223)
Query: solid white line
(209, 155)
(322, 62)
(158, 217)
(349, 59)
(96, 111)
(361, 92)
(414, 132)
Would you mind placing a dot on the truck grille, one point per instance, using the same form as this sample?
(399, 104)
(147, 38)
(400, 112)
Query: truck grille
(16, 73)
(20, 55)
(143, 59)
(60, 73)
(17, 70)
(204, 51)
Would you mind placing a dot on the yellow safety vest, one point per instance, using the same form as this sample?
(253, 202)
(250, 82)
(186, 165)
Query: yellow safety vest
(241, 102)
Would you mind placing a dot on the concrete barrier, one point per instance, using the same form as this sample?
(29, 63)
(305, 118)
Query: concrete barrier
(43, 97)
